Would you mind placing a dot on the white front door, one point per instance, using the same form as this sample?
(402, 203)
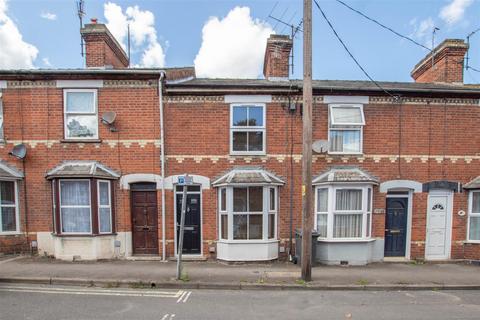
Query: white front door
(439, 225)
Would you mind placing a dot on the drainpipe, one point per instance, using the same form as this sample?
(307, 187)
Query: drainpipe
(162, 159)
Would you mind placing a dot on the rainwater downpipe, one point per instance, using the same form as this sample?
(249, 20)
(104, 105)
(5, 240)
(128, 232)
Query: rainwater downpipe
(162, 159)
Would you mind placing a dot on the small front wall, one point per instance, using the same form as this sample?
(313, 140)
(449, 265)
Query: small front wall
(85, 248)
(261, 251)
(351, 253)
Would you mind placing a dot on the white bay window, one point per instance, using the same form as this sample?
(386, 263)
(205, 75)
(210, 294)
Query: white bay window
(343, 211)
(248, 213)
(474, 216)
(9, 215)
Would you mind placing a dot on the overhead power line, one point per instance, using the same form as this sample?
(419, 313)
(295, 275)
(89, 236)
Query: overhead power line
(350, 53)
(383, 26)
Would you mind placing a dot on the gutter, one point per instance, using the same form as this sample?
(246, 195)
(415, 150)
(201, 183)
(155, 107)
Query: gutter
(162, 158)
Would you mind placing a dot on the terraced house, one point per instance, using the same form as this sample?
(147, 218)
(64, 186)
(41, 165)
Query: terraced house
(396, 170)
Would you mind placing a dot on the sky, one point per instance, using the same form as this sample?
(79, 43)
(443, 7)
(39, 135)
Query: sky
(227, 38)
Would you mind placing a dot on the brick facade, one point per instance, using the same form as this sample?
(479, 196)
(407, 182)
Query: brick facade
(426, 135)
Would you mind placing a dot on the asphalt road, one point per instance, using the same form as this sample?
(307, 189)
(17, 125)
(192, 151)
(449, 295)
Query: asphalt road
(49, 302)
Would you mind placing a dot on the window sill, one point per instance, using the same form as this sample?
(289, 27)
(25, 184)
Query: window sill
(345, 240)
(247, 241)
(245, 154)
(11, 233)
(472, 242)
(80, 235)
(345, 154)
(81, 141)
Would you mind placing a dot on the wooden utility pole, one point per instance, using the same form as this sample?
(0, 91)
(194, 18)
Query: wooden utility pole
(307, 218)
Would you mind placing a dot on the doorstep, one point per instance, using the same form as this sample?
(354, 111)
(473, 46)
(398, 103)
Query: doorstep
(189, 258)
(396, 259)
(144, 258)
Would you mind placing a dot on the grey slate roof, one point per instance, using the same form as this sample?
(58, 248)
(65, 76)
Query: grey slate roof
(474, 184)
(344, 174)
(82, 169)
(340, 85)
(8, 171)
(248, 175)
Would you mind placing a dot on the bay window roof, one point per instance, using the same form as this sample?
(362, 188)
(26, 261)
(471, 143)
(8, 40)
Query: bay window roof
(248, 176)
(82, 169)
(474, 184)
(344, 175)
(8, 171)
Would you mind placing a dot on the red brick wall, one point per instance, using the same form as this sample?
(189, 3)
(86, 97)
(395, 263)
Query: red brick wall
(197, 142)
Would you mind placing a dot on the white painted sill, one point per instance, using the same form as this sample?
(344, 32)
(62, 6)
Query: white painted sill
(345, 240)
(253, 154)
(472, 241)
(248, 241)
(345, 153)
(11, 233)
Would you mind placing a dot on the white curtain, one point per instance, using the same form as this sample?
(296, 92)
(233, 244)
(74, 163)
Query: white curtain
(348, 199)
(322, 200)
(75, 206)
(105, 211)
(347, 226)
(322, 225)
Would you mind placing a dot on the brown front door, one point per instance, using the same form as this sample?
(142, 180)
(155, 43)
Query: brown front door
(144, 221)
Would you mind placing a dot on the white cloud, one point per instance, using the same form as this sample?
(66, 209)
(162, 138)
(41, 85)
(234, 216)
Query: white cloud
(142, 31)
(422, 31)
(454, 12)
(46, 62)
(14, 52)
(233, 47)
(48, 15)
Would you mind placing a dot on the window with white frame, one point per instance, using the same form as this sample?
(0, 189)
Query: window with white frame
(343, 212)
(346, 128)
(474, 216)
(76, 211)
(247, 129)
(9, 217)
(80, 114)
(248, 213)
(1, 117)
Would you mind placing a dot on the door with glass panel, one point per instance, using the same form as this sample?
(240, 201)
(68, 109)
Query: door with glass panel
(192, 237)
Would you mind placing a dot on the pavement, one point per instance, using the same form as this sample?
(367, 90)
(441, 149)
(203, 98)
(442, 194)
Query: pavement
(74, 303)
(216, 275)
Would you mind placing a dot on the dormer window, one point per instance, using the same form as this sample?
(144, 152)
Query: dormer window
(346, 123)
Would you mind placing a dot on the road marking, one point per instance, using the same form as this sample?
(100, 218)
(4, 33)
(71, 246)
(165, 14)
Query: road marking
(186, 298)
(181, 297)
(104, 292)
(168, 316)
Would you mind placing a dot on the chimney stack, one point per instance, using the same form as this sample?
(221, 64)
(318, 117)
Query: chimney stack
(101, 48)
(448, 63)
(276, 64)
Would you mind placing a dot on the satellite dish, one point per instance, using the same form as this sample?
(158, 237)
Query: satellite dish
(109, 117)
(320, 146)
(19, 151)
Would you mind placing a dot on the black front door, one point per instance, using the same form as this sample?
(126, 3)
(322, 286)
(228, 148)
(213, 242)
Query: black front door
(396, 227)
(192, 234)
